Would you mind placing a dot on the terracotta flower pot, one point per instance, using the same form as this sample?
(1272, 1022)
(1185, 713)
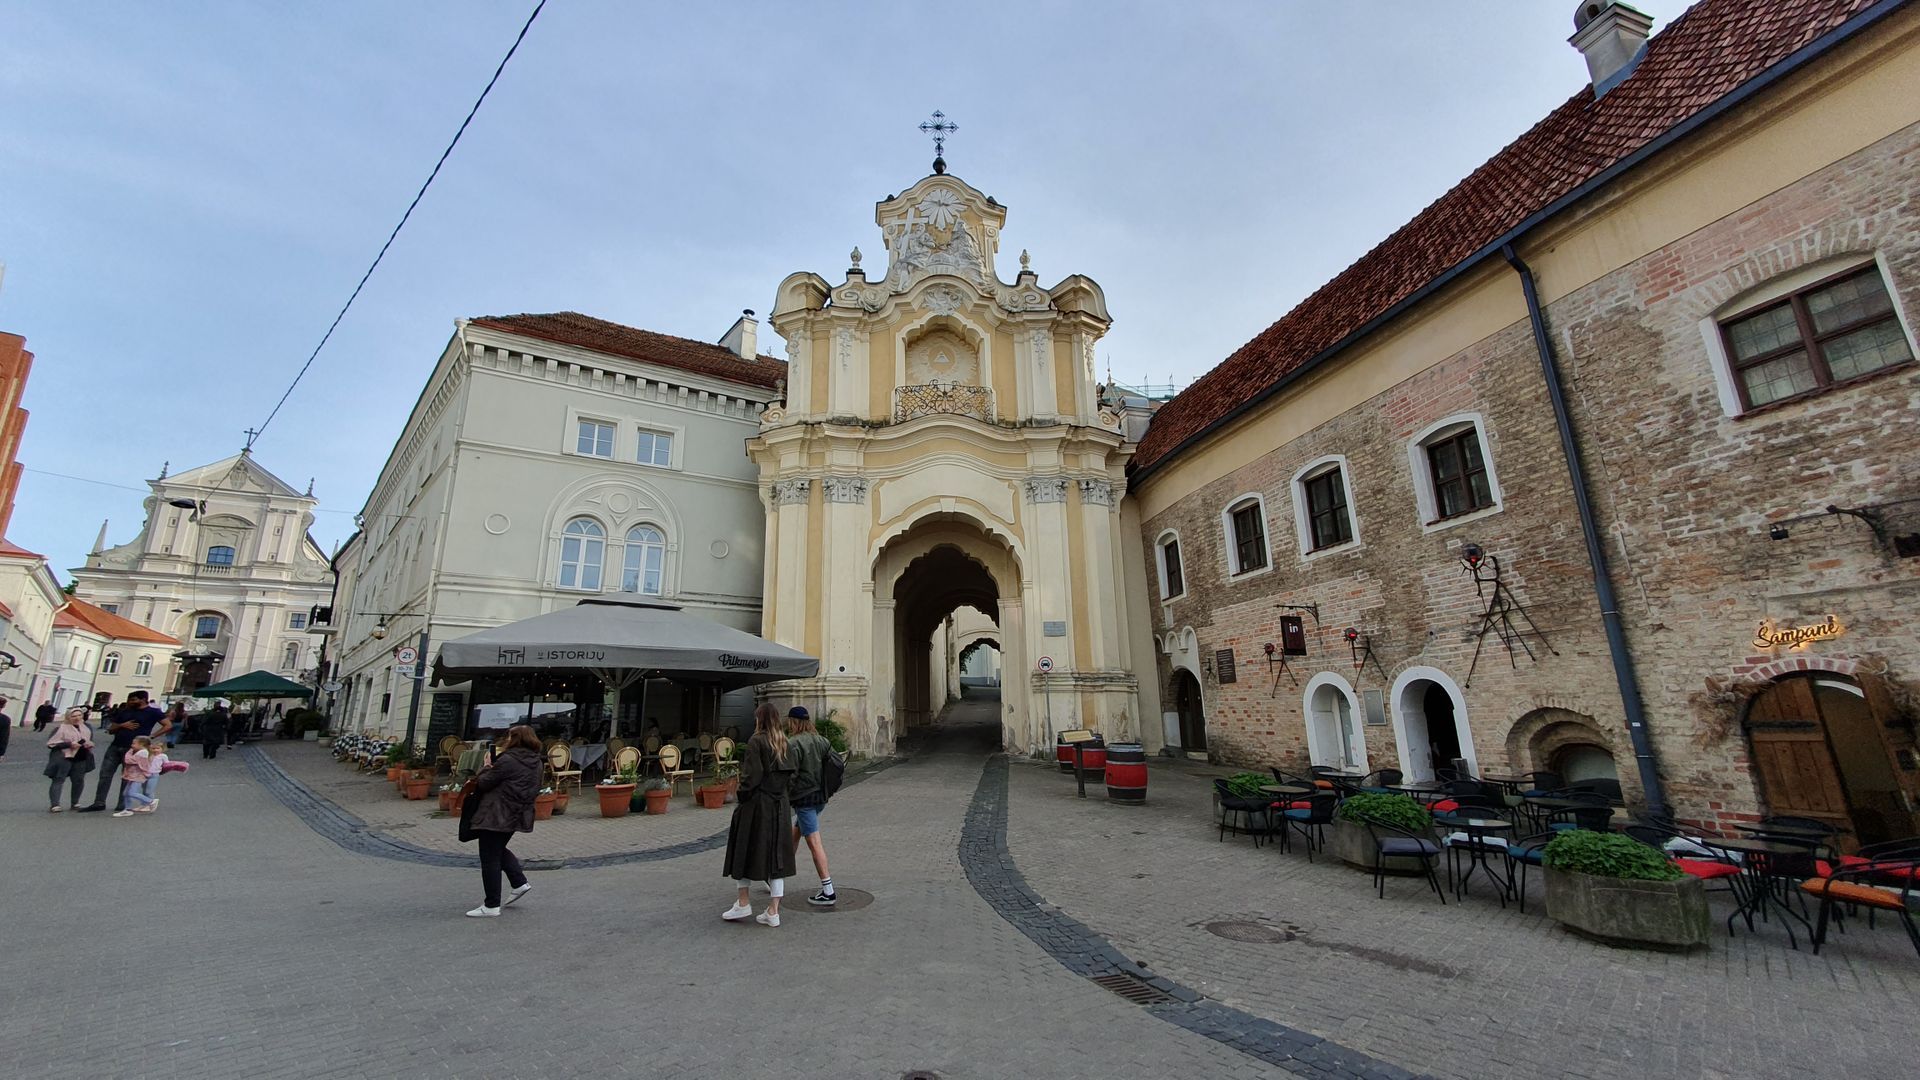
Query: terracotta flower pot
(713, 797)
(657, 801)
(543, 806)
(417, 788)
(458, 800)
(446, 799)
(560, 801)
(615, 799)
(395, 773)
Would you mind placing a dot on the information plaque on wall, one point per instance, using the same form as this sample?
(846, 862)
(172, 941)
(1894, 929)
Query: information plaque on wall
(1054, 628)
(1223, 666)
(1293, 636)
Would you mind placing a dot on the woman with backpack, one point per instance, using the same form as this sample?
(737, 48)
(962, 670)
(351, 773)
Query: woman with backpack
(809, 750)
(759, 842)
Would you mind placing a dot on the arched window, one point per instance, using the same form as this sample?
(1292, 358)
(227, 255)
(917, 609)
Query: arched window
(290, 659)
(143, 666)
(583, 548)
(220, 555)
(110, 664)
(646, 556)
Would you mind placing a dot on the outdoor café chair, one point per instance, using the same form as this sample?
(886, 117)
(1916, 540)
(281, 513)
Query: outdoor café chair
(670, 767)
(1523, 852)
(1310, 819)
(1383, 778)
(627, 757)
(723, 749)
(1282, 777)
(1542, 783)
(1245, 809)
(1393, 842)
(1865, 884)
(560, 764)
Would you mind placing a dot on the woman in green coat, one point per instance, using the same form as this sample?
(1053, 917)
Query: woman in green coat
(760, 840)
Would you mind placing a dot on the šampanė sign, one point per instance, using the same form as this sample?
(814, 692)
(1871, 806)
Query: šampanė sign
(1772, 635)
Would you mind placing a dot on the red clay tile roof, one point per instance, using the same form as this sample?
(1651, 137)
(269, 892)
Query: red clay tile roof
(5, 611)
(10, 549)
(587, 332)
(1700, 57)
(82, 615)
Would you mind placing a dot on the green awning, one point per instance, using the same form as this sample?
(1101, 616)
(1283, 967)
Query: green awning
(255, 684)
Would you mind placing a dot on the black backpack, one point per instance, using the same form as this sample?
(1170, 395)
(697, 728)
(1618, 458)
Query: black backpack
(833, 769)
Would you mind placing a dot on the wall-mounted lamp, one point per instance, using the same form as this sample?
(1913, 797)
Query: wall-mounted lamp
(1350, 634)
(1472, 555)
(1267, 648)
(1776, 531)
(379, 630)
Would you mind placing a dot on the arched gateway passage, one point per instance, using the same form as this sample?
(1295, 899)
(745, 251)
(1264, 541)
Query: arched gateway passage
(938, 568)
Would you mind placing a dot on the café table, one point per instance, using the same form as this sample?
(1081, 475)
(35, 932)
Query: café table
(1288, 791)
(1478, 830)
(1811, 834)
(1766, 867)
(585, 754)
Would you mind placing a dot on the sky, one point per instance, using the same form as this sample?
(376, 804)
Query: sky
(190, 190)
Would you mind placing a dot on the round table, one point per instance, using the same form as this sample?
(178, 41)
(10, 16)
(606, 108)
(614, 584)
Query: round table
(1477, 829)
(1763, 864)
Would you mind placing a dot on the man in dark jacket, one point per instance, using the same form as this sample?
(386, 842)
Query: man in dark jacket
(6, 728)
(213, 729)
(506, 790)
(133, 719)
(44, 715)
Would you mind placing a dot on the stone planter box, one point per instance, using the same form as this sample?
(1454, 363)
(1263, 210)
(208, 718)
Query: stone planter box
(1660, 914)
(1353, 845)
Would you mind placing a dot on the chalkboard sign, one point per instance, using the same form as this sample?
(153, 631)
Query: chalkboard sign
(449, 717)
(1223, 665)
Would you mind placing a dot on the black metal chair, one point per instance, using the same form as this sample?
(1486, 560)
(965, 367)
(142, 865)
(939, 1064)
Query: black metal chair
(1882, 883)
(1246, 808)
(1383, 778)
(1523, 852)
(1543, 782)
(1311, 820)
(1391, 842)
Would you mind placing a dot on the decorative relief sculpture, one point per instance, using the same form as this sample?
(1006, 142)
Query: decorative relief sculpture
(942, 356)
(934, 238)
(942, 300)
(1096, 492)
(845, 489)
(1046, 489)
(927, 398)
(1010, 300)
(787, 492)
(1042, 341)
(843, 347)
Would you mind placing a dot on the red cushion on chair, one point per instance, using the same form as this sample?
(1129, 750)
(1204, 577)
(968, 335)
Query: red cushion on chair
(1823, 868)
(1854, 860)
(1853, 892)
(1444, 806)
(1303, 804)
(1706, 869)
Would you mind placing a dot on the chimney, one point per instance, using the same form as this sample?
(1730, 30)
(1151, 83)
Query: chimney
(1613, 38)
(741, 338)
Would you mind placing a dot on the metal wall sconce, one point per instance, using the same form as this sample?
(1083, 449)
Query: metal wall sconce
(1776, 531)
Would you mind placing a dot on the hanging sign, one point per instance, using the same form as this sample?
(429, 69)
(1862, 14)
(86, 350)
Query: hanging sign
(1773, 635)
(1293, 636)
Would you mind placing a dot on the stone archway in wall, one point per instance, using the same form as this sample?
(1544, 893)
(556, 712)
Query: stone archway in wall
(1430, 723)
(942, 565)
(1572, 744)
(979, 657)
(1335, 735)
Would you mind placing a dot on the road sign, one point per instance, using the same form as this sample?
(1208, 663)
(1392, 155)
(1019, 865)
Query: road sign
(332, 686)
(405, 655)
(403, 671)
(1046, 664)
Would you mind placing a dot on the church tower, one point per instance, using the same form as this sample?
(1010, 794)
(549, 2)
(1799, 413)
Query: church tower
(942, 445)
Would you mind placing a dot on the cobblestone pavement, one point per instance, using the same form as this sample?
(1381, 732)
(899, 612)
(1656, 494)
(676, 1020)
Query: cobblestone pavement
(1466, 990)
(225, 938)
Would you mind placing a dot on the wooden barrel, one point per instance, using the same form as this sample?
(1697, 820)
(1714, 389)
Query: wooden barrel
(1127, 772)
(1093, 759)
(1063, 753)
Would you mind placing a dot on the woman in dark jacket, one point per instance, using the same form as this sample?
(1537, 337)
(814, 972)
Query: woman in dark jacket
(213, 729)
(506, 790)
(760, 840)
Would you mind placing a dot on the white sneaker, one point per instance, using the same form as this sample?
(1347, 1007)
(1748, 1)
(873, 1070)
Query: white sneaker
(123, 813)
(484, 912)
(767, 918)
(737, 912)
(54, 809)
(518, 891)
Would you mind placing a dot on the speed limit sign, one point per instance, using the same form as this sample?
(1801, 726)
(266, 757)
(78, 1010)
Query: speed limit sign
(405, 655)
(1046, 664)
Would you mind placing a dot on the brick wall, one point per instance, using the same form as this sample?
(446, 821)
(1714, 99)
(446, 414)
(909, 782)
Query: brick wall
(1682, 491)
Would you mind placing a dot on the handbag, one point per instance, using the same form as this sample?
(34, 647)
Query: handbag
(469, 802)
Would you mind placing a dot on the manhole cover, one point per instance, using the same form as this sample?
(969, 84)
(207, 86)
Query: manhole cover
(920, 1074)
(1252, 933)
(850, 900)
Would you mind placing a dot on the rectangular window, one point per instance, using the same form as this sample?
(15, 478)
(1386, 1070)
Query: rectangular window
(595, 439)
(206, 628)
(220, 555)
(1327, 519)
(1249, 538)
(1170, 564)
(111, 609)
(655, 448)
(1828, 333)
(296, 620)
(1459, 475)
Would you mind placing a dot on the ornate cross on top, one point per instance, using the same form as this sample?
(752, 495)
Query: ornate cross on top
(939, 127)
(251, 435)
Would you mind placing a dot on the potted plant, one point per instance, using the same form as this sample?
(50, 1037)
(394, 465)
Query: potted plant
(543, 804)
(657, 794)
(396, 763)
(560, 800)
(417, 785)
(1352, 844)
(448, 792)
(616, 792)
(726, 777)
(711, 796)
(1620, 890)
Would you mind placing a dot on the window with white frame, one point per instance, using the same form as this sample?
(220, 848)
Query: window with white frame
(1839, 328)
(594, 438)
(110, 664)
(654, 448)
(290, 656)
(296, 620)
(1453, 474)
(1324, 507)
(1173, 574)
(143, 666)
(645, 561)
(583, 547)
(206, 627)
(1245, 525)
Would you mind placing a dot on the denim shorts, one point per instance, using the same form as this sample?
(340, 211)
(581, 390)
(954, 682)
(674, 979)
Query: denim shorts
(807, 819)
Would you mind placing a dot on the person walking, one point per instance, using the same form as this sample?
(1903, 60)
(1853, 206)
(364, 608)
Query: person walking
(44, 715)
(134, 770)
(69, 758)
(506, 790)
(135, 719)
(6, 729)
(176, 723)
(809, 749)
(760, 840)
(213, 729)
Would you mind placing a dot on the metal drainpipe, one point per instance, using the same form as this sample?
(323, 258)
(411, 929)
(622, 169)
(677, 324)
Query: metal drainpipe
(1623, 669)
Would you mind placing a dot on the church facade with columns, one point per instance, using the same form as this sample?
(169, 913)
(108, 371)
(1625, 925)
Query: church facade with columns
(943, 446)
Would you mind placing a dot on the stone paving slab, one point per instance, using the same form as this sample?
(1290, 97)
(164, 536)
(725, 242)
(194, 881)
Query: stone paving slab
(1465, 990)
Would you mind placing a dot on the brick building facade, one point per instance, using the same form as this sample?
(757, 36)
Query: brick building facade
(1391, 445)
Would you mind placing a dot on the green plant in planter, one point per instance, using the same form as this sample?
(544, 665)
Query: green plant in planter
(396, 754)
(655, 783)
(725, 768)
(1583, 851)
(1247, 785)
(1398, 811)
(835, 734)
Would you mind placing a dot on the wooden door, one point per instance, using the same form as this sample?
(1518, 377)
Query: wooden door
(1903, 753)
(1193, 717)
(1791, 758)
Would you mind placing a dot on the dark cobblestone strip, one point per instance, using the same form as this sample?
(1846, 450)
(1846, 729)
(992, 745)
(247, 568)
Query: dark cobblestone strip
(990, 869)
(327, 818)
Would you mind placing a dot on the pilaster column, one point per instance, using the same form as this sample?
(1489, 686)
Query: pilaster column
(791, 499)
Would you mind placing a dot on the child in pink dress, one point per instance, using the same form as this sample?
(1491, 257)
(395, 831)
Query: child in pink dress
(137, 771)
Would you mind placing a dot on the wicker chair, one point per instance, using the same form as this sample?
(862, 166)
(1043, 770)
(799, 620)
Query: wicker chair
(627, 757)
(560, 767)
(670, 767)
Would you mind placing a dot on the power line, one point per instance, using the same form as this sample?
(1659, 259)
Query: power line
(129, 487)
(254, 435)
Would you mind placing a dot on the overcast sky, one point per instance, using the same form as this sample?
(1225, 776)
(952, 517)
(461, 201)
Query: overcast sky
(189, 190)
